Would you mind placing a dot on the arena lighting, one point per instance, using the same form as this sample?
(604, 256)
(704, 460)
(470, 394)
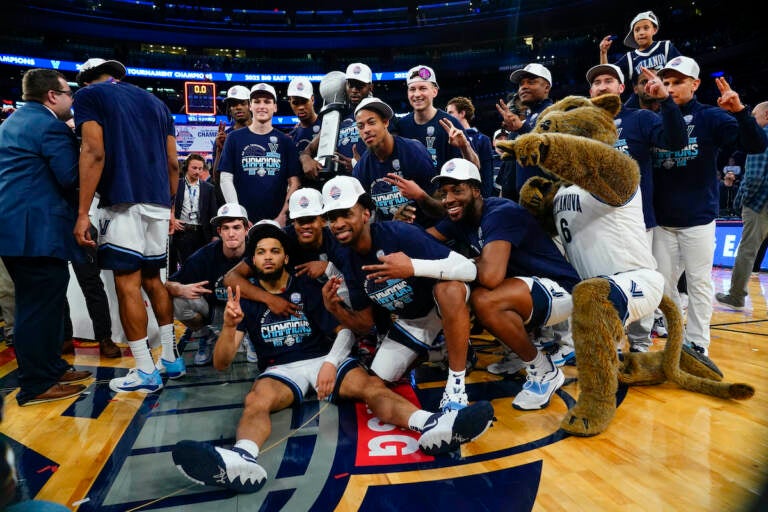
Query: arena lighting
(178, 74)
(717, 74)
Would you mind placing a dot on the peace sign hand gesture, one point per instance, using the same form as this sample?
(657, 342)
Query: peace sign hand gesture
(233, 315)
(729, 99)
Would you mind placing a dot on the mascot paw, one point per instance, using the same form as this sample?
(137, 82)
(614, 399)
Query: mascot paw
(531, 149)
(585, 421)
(508, 149)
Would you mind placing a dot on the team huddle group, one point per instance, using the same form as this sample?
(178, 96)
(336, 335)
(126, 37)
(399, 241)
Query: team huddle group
(403, 239)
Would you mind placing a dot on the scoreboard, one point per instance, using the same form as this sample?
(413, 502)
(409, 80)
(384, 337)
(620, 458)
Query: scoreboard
(200, 98)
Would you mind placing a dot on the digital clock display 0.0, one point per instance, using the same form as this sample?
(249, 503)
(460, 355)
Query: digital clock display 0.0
(200, 98)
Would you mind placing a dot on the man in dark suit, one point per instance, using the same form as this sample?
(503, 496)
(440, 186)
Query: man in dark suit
(194, 207)
(38, 175)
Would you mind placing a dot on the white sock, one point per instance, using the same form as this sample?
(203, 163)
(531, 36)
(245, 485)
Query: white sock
(142, 355)
(249, 446)
(542, 363)
(168, 342)
(418, 419)
(455, 382)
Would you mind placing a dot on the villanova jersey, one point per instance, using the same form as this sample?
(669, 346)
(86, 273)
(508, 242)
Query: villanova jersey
(601, 239)
(655, 57)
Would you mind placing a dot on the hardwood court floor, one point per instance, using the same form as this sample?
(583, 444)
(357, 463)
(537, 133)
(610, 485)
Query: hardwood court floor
(666, 449)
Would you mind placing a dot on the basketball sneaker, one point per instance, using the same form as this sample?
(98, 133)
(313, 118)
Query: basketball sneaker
(205, 464)
(445, 432)
(173, 369)
(453, 401)
(562, 355)
(659, 329)
(538, 389)
(250, 354)
(137, 380)
(204, 352)
(509, 365)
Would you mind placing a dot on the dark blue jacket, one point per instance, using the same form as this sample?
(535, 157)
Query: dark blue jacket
(207, 208)
(686, 182)
(38, 176)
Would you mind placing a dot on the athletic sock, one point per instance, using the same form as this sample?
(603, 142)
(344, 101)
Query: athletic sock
(142, 355)
(249, 446)
(455, 382)
(168, 342)
(418, 419)
(542, 363)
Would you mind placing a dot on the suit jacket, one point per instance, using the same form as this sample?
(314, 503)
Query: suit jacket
(207, 208)
(38, 179)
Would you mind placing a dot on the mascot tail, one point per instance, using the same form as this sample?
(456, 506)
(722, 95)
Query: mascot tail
(672, 362)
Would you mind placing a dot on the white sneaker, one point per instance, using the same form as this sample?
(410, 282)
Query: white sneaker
(453, 401)
(659, 328)
(509, 365)
(538, 389)
(137, 380)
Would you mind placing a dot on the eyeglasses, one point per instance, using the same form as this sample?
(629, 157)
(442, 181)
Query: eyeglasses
(69, 92)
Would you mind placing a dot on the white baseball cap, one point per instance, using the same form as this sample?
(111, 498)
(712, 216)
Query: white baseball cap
(264, 88)
(305, 202)
(238, 92)
(376, 105)
(341, 193)
(230, 211)
(360, 72)
(498, 133)
(531, 69)
(629, 40)
(605, 69)
(683, 65)
(92, 68)
(421, 74)
(301, 87)
(458, 169)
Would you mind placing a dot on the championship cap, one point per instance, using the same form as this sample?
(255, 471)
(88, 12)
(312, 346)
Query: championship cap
(266, 228)
(230, 211)
(360, 72)
(683, 65)
(376, 105)
(341, 193)
(93, 68)
(605, 69)
(301, 87)
(421, 74)
(264, 88)
(531, 69)
(305, 202)
(646, 15)
(457, 169)
(238, 92)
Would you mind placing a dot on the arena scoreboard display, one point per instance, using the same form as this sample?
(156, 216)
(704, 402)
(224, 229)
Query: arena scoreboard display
(200, 98)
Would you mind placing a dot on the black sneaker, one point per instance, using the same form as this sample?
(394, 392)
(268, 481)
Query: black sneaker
(206, 464)
(445, 432)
